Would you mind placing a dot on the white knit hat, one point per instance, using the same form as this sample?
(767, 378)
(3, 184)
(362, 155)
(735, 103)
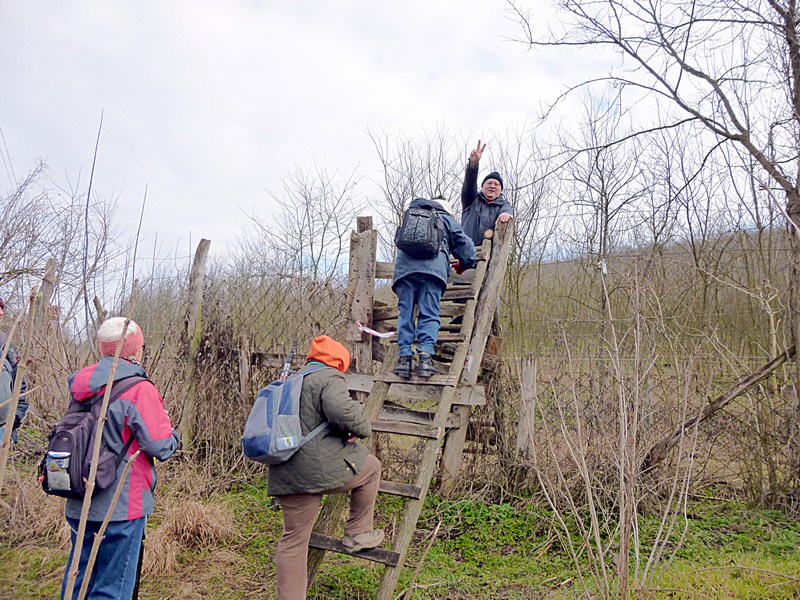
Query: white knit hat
(445, 205)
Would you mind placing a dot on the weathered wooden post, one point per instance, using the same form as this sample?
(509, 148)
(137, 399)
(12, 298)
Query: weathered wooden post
(455, 440)
(527, 408)
(45, 295)
(194, 330)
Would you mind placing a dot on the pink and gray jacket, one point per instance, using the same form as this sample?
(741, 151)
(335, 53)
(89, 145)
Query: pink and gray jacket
(138, 412)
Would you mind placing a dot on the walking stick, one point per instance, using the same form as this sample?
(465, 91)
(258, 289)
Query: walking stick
(285, 371)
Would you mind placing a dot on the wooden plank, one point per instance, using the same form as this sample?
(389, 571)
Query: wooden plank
(467, 277)
(384, 313)
(470, 395)
(407, 415)
(432, 380)
(460, 293)
(474, 395)
(413, 429)
(442, 338)
(390, 313)
(400, 489)
(358, 382)
(487, 303)
(330, 544)
(384, 270)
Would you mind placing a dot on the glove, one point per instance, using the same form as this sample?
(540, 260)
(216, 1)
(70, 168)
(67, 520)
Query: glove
(17, 422)
(457, 267)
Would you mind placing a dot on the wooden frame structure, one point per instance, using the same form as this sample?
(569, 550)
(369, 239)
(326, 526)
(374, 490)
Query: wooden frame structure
(468, 306)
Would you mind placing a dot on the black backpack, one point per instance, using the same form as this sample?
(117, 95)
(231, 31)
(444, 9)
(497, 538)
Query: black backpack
(421, 233)
(65, 467)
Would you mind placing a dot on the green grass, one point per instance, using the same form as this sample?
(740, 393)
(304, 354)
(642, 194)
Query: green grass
(481, 550)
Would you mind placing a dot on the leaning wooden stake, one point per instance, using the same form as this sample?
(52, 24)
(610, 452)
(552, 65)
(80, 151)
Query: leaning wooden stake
(98, 537)
(75, 561)
(21, 368)
(659, 451)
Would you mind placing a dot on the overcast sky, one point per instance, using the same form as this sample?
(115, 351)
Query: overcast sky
(209, 103)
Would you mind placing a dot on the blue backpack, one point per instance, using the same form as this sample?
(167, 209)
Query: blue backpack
(273, 432)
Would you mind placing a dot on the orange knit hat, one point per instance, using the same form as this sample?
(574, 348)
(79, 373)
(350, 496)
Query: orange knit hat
(328, 351)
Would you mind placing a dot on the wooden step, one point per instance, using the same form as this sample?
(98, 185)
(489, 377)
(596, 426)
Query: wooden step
(421, 417)
(467, 395)
(413, 429)
(324, 542)
(441, 338)
(467, 292)
(440, 379)
(385, 270)
(390, 313)
(405, 490)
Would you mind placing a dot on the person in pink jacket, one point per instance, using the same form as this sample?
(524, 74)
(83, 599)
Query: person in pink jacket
(139, 414)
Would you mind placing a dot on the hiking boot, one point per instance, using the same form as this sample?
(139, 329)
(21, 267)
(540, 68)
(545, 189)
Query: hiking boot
(403, 368)
(425, 367)
(363, 541)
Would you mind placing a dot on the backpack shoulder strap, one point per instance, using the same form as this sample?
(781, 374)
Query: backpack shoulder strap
(313, 368)
(118, 388)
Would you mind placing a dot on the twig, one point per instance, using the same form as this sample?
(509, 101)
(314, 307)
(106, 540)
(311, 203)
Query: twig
(87, 312)
(411, 585)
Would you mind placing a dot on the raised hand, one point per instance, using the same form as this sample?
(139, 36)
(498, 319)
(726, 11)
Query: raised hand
(475, 154)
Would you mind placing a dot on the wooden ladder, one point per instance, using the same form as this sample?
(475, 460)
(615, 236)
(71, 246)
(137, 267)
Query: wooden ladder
(470, 298)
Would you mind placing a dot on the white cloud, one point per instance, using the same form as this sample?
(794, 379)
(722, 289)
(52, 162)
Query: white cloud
(208, 102)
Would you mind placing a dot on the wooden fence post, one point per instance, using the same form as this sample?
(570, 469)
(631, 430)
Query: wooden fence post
(527, 408)
(360, 296)
(194, 330)
(361, 291)
(45, 295)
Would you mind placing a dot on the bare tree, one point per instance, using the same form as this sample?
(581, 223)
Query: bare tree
(428, 167)
(309, 234)
(727, 69)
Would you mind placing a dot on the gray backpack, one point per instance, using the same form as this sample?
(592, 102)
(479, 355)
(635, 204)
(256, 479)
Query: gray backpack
(273, 432)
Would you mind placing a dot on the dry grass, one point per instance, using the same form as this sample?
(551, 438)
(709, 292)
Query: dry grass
(27, 513)
(161, 554)
(195, 525)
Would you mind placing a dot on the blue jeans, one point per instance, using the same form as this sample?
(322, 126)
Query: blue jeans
(114, 572)
(425, 293)
(13, 432)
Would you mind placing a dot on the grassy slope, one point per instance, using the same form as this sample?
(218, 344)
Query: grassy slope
(480, 551)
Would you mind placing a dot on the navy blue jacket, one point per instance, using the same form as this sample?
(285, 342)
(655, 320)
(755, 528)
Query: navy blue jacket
(477, 213)
(438, 267)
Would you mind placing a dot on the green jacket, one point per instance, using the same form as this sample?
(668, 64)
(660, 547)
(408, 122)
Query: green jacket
(327, 461)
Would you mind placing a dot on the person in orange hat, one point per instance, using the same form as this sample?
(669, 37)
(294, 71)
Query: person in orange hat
(333, 462)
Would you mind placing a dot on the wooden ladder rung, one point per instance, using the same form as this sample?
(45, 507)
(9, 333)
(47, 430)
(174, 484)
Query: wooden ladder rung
(407, 415)
(465, 292)
(403, 428)
(324, 542)
(400, 489)
(440, 379)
